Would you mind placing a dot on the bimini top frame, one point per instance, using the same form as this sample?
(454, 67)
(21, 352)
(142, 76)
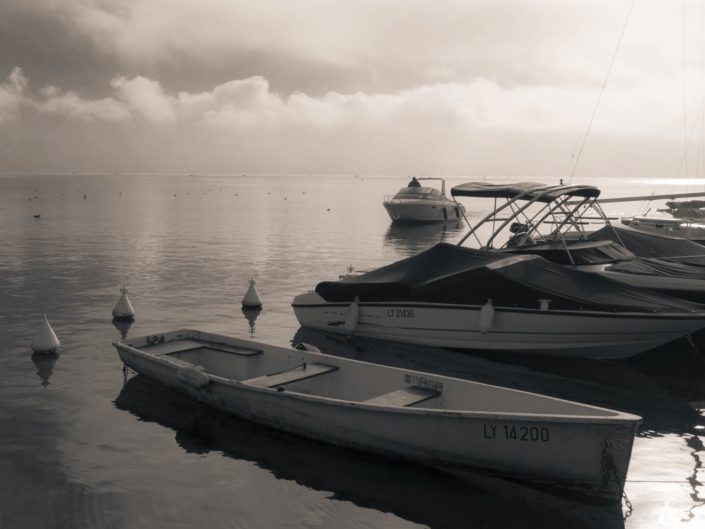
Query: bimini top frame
(560, 208)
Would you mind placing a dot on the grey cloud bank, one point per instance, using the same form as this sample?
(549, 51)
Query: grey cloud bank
(402, 87)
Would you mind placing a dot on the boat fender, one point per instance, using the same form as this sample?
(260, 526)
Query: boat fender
(457, 212)
(301, 346)
(486, 317)
(352, 317)
(193, 376)
(445, 213)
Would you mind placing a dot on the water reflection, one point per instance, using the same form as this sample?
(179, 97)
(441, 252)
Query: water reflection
(412, 238)
(123, 326)
(695, 443)
(410, 491)
(45, 365)
(251, 317)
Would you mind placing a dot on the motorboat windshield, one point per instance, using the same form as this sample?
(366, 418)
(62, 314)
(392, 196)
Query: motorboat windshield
(415, 193)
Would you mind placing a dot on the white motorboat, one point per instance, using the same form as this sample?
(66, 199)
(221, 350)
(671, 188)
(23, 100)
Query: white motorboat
(550, 221)
(690, 229)
(687, 222)
(456, 297)
(436, 420)
(418, 203)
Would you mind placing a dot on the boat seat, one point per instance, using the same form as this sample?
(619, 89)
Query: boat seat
(296, 374)
(403, 397)
(193, 345)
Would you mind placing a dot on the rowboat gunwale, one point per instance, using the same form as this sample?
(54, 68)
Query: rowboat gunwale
(617, 417)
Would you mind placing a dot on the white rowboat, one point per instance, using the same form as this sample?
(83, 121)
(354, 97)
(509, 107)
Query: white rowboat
(429, 418)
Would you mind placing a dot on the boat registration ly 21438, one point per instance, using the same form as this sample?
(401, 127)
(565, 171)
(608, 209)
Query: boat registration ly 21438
(400, 313)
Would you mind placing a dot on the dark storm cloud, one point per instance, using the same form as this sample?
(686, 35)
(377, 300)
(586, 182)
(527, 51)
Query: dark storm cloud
(50, 51)
(331, 86)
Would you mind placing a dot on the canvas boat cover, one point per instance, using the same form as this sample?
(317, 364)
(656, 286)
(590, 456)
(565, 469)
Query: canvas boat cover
(618, 258)
(452, 274)
(577, 253)
(644, 244)
(528, 190)
(675, 204)
(659, 267)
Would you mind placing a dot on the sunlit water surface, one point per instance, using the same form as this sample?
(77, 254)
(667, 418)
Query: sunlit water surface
(80, 448)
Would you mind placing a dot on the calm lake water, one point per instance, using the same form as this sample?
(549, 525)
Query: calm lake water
(80, 448)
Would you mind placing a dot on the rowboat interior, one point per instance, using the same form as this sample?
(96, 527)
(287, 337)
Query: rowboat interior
(301, 372)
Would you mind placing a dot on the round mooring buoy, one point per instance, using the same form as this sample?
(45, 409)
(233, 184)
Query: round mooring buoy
(123, 309)
(252, 299)
(46, 341)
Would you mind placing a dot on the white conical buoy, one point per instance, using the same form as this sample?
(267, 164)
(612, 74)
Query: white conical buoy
(252, 299)
(46, 340)
(486, 317)
(352, 317)
(123, 308)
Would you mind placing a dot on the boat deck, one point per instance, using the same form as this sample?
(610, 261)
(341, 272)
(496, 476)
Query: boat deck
(309, 373)
(404, 397)
(191, 345)
(302, 372)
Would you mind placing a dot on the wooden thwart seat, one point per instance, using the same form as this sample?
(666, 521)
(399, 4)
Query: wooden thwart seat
(403, 397)
(186, 346)
(296, 374)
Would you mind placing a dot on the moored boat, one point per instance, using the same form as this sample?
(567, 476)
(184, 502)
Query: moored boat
(456, 297)
(550, 221)
(420, 203)
(436, 420)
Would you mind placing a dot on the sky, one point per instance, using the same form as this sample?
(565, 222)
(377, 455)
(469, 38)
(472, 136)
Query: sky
(449, 87)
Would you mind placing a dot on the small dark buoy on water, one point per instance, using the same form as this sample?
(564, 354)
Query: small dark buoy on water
(37, 216)
(46, 341)
(123, 310)
(252, 299)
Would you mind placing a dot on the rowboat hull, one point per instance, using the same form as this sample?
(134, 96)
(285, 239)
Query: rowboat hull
(580, 334)
(583, 446)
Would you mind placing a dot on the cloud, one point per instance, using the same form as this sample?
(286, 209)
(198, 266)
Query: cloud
(146, 97)
(476, 126)
(12, 95)
(71, 105)
(317, 46)
(251, 103)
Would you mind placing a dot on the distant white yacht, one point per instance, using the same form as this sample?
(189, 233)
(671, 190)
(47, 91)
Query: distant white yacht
(418, 203)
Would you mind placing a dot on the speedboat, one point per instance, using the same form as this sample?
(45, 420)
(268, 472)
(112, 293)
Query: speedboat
(463, 298)
(688, 220)
(551, 221)
(690, 229)
(653, 245)
(419, 203)
(440, 421)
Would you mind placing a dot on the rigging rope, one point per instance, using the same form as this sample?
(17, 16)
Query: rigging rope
(602, 91)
